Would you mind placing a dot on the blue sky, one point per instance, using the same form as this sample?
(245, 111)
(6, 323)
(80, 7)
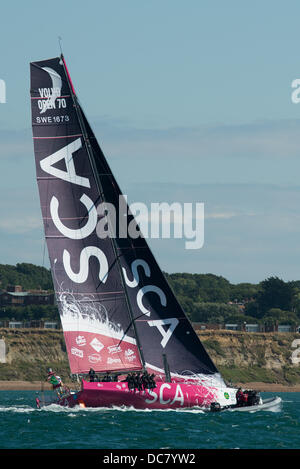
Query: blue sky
(190, 101)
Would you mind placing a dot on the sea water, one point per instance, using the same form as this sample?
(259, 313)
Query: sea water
(23, 426)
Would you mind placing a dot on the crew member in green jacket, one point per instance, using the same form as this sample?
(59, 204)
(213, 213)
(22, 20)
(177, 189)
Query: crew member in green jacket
(55, 380)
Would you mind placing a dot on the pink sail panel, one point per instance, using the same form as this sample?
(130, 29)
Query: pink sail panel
(102, 353)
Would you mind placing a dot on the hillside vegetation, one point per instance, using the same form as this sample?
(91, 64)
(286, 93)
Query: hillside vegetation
(240, 357)
(205, 298)
(29, 276)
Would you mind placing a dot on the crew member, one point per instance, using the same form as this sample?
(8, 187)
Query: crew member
(245, 398)
(152, 381)
(239, 397)
(107, 377)
(56, 381)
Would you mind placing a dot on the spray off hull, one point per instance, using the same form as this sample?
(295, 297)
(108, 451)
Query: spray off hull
(164, 396)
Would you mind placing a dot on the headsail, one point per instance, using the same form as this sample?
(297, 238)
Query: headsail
(118, 278)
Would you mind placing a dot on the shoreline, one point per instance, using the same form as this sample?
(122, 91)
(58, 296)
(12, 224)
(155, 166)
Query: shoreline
(37, 386)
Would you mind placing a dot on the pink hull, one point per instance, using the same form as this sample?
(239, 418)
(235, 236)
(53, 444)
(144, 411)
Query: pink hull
(164, 396)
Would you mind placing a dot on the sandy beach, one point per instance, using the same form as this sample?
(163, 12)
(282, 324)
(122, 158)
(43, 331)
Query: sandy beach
(23, 385)
(37, 385)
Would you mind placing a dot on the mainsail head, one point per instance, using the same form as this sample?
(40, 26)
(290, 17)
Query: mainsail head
(117, 310)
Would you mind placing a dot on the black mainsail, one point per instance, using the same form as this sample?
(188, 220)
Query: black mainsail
(117, 310)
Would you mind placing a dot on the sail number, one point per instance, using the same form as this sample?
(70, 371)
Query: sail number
(52, 119)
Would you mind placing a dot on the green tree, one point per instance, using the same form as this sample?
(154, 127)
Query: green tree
(251, 309)
(29, 276)
(278, 316)
(243, 291)
(275, 293)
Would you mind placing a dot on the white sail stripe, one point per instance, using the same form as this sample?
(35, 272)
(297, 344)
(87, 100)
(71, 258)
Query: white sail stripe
(216, 377)
(160, 370)
(85, 326)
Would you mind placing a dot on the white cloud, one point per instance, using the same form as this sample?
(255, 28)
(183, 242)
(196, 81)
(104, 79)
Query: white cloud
(19, 225)
(222, 215)
(260, 139)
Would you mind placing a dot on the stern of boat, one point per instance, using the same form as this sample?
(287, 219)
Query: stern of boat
(226, 396)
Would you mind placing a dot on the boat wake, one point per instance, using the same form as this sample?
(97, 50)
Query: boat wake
(79, 410)
(17, 409)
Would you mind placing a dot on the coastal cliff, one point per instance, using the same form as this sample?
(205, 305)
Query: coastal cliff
(241, 357)
(244, 357)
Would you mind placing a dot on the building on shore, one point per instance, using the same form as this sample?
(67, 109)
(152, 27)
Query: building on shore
(15, 296)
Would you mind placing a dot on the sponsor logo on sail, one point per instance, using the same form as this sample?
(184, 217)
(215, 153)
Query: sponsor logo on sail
(80, 340)
(96, 344)
(49, 95)
(130, 355)
(78, 353)
(110, 360)
(94, 358)
(114, 349)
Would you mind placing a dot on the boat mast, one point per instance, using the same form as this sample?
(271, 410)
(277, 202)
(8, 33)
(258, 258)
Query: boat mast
(100, 189)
